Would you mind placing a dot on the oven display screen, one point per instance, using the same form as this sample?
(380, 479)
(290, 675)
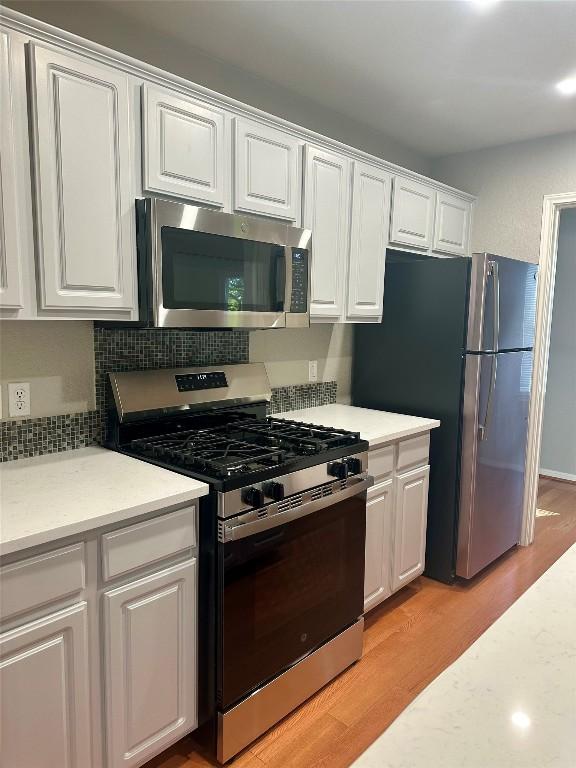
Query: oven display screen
(190, 382)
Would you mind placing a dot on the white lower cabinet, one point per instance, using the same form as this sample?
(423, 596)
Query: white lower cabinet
(379, 511)
(150, 663)
(44, 692)
(411, 507)
(396, 517)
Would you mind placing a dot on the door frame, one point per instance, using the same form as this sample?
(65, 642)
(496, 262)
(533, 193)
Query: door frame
(551, 209)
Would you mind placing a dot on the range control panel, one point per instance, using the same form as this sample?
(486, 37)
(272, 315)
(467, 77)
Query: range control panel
(190, 382)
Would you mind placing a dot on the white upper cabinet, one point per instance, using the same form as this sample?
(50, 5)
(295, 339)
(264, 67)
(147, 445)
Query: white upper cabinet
(84, 183)
(369, 238)
(184, 147)
(12, 176)
(327, 186)
(267, 171)
(452, 225)
(412, 221)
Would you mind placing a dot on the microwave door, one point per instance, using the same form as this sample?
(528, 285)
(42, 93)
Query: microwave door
(210, 280)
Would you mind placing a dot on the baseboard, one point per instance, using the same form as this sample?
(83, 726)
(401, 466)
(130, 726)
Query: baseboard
(553, 475)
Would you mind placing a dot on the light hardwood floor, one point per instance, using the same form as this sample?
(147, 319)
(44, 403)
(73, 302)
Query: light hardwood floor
(409, 640)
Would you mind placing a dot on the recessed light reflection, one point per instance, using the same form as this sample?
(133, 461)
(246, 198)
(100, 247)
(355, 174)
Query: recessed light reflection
(521, 720)
(483, 5)
(567, 87)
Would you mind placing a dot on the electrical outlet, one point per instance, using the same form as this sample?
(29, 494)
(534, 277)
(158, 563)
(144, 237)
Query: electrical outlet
(313, 370)
(19, 399)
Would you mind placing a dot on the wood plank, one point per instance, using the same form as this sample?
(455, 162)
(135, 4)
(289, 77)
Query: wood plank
(409, 640)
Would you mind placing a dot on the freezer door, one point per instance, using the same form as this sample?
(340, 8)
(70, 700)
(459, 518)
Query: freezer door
(502, 304)
(496, 398)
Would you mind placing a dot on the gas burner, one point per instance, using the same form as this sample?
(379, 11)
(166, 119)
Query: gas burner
(240, 447)
(303, 439)
(211, 451)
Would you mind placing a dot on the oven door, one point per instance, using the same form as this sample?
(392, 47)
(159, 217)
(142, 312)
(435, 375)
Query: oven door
(214, 270)
(288, 587)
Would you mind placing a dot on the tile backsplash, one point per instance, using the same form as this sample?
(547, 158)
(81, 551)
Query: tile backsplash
(138, 349)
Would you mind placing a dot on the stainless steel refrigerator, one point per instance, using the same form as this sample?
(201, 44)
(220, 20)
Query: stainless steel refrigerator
(455, 343)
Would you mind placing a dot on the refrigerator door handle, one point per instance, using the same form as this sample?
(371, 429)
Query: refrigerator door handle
(496, 280)
(483, 428)
(493, 273)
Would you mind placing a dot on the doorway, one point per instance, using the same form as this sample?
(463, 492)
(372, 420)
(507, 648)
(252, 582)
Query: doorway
(558, 448)
(551, 249)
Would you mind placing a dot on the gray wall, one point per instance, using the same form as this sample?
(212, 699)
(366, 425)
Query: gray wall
(510, 182)
(102, 24)
(559, 430)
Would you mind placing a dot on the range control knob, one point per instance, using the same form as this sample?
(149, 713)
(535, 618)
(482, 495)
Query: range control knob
(354, 465)
(338, 469)
(253, 496)
(274, 491)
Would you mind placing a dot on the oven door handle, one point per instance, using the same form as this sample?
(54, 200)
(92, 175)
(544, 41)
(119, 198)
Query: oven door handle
(230, 532)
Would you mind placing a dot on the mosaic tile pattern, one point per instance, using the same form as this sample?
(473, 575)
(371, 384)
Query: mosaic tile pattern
(20, 439)
(135, 349)
(303, 396)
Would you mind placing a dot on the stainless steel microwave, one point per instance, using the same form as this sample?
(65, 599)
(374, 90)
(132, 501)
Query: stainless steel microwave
(199, 268)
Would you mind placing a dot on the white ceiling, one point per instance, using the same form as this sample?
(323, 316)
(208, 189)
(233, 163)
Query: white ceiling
(440, 76)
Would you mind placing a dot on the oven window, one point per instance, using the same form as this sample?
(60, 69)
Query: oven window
(204, 271)
(287, 591)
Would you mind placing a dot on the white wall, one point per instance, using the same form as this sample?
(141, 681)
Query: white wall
(286, 352)
(510, 182)
(558, 453)
(56, 357)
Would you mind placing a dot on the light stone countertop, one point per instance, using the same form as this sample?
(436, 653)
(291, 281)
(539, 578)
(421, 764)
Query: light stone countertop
(48, 497)
(509, 701)
(378, 427)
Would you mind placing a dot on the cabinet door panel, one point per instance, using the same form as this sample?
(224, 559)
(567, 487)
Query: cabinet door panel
(411, 507)
(150, 673)
(45, 706)
(267, 171)
(452, 224)
(184, 147)
(412, 221)
(11, 176)
(378, 544)
(84, 190)
(369, 238)
(326, 213)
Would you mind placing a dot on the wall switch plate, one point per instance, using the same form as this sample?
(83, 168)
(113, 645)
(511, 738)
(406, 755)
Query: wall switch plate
(313, 370)
(19, 399)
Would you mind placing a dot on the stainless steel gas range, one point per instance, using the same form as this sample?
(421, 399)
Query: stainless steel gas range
(282, 536)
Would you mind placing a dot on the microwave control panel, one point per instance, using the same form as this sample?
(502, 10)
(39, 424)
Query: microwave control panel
(190, 382)
(299, 298)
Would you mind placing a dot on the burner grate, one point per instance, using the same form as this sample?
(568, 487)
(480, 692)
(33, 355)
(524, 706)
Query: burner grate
(304, 439)
(237, 448)
(209, 451)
